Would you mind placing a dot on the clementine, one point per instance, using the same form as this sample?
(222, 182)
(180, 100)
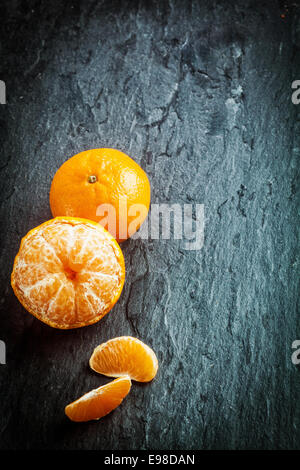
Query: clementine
(69, 272)
(104, 185)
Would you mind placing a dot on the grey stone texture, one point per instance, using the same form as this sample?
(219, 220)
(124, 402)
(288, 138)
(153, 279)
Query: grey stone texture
(199, 94)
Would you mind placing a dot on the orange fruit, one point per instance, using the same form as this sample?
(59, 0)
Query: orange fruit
(69, 272)
(104, 185)
(125, 356)
(100, 401)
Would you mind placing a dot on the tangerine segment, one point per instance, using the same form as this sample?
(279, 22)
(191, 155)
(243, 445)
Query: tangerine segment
(125, 356)
(69, 272)
(104, 185)
(100, 401)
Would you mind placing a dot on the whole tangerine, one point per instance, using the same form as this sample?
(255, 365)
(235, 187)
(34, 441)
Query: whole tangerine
(104, 185)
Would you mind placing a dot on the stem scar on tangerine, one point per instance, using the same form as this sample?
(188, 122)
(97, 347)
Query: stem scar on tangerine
(92, 179)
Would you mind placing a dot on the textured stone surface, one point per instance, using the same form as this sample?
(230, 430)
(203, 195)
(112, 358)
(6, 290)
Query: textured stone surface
(198, 93)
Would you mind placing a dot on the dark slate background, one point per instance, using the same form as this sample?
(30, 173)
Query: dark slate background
(198, 93)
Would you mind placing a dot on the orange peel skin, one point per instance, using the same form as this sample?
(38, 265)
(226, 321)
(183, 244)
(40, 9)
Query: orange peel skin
(103, 177)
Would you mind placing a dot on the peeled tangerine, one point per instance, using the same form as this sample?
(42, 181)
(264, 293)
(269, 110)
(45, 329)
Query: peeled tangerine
(69, 272)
